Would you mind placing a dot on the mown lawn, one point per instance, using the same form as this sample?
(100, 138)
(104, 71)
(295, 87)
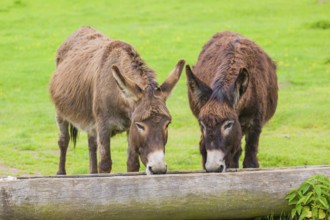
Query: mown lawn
(296, 34)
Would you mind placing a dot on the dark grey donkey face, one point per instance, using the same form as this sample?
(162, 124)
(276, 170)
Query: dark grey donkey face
(220, 135)
(218, 120)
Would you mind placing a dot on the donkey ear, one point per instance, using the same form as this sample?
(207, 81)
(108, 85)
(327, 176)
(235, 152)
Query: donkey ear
(241, 84)
(129, 88)
(198, 89)
(171, 80)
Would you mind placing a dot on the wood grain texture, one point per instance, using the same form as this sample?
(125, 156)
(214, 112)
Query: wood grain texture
(188, 195)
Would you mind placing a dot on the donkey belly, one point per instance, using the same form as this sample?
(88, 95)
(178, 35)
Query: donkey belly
(73, 99)
(82, 120)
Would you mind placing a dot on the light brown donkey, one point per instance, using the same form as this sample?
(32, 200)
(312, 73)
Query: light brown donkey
(102, 86)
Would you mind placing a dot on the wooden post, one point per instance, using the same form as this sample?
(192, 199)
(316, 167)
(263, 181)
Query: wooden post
(178, 195)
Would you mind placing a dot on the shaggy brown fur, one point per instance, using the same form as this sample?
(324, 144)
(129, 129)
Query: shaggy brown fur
(102, 86)
(234, 81)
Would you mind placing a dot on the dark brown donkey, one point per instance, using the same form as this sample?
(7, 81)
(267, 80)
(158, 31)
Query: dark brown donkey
(102, 86)
(232, 92)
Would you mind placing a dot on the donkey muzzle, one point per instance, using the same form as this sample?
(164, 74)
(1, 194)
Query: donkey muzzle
(215, 161)
(156, 163)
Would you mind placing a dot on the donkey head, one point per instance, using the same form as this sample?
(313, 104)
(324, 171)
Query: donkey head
(150, 118)
(218, 119)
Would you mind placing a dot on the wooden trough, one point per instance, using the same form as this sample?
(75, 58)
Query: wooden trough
(237, 194)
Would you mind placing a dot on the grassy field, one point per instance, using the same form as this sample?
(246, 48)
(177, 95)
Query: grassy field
(296, 34)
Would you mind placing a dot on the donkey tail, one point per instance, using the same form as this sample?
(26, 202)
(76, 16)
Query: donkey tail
(73, 132)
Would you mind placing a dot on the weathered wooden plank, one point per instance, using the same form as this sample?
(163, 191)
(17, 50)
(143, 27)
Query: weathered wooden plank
(232, 195)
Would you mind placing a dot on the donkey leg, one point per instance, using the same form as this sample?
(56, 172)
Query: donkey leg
(92, 145)
(203, 152)
(236, 158)
(133, 162)
(251, 147)
(103, 141)
(63, 143)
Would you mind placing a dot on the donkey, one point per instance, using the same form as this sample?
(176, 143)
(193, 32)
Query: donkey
(103, 87)
(232, 92)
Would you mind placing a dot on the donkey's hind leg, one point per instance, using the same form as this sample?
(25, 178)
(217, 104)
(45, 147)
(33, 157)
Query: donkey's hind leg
(63, 143)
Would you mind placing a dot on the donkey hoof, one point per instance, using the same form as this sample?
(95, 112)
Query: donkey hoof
(61, 173)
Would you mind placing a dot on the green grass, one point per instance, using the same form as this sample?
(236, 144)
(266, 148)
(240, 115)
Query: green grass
(296, 34)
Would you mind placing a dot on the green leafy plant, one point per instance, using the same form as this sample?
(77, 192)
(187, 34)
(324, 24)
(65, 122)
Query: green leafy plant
(311, 200)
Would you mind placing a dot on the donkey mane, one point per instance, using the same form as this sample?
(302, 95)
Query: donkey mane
(136, 63)
(235, 54)
(154, 108)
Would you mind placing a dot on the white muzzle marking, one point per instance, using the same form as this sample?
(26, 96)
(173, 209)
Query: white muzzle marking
(215, 161)
(156, 163)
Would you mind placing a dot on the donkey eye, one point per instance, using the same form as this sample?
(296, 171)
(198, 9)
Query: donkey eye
(228, 124)
(168, 124)
(139, 126)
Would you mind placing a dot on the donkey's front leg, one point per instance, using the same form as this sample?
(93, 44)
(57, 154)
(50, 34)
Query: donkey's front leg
(103, 141)
(92, 145)
(203, 152)
(235, 163)
(133, 162)
(251, 147)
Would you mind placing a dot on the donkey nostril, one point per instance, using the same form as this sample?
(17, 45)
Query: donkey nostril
(221, 168)
(150, 169)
